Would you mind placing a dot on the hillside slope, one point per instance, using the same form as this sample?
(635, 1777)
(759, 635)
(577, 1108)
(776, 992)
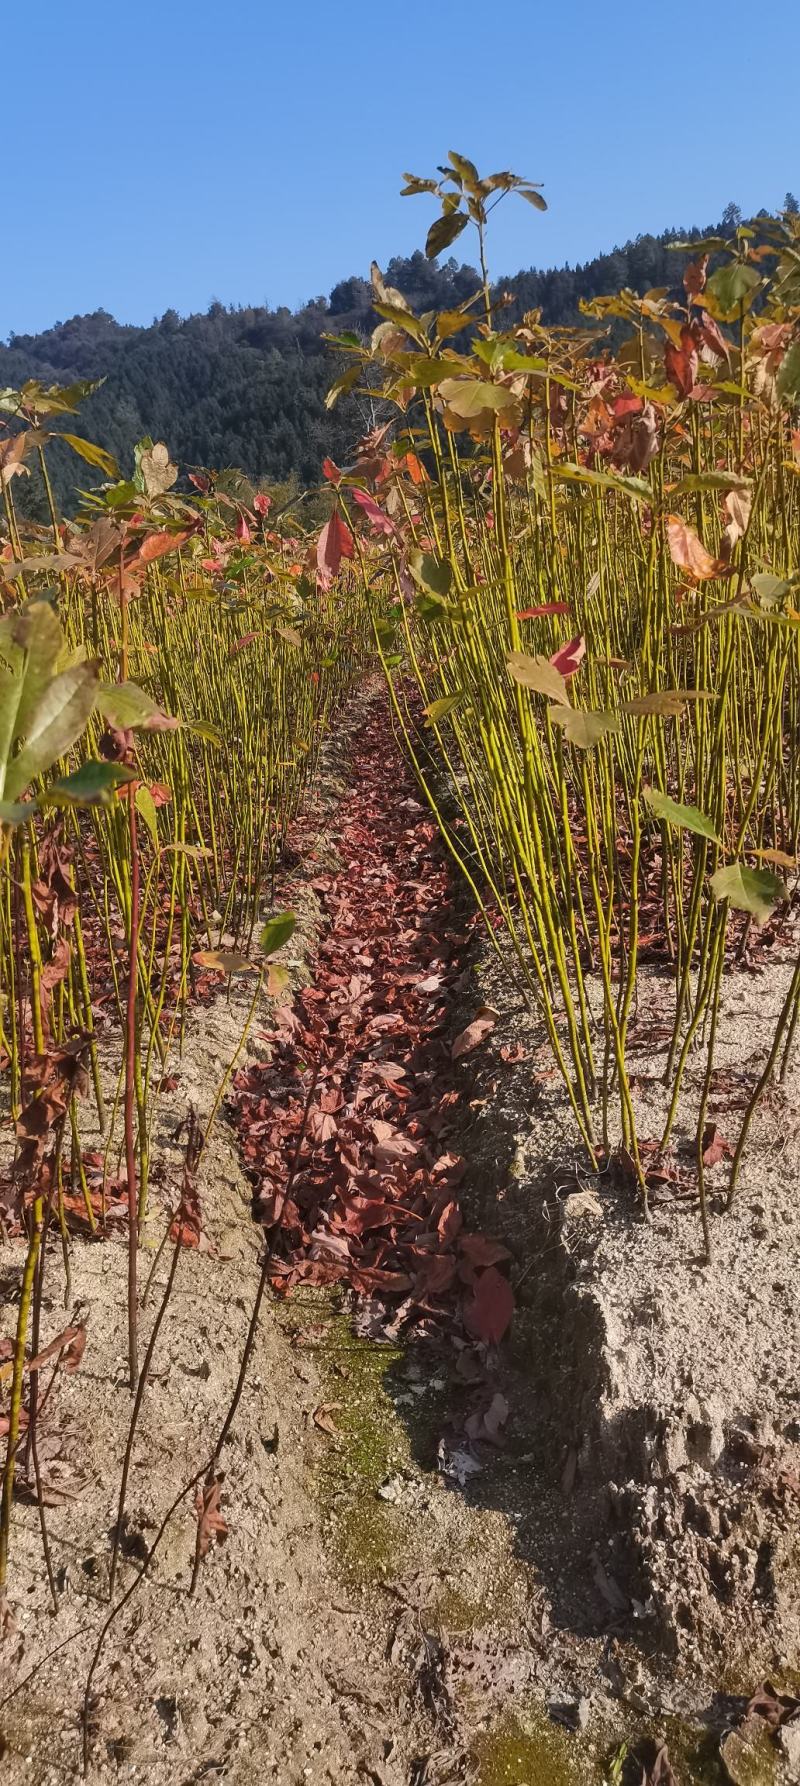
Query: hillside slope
(246, 386)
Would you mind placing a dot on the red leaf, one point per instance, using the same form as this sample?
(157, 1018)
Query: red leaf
(160, 722)
(371, 1278)
(436, 1274)
(374, 514)
(449, 1223)
(262, 503)
(715, 1147)
(680, 363)
(543, 608)
(415, 469)
(480, 1250)
(569, 657)
(331, 471)
(492, 1306)
(322, 1127)
(242, 529)
(335, 543)
(157, 544)
(363, 1213)
(393, 1152)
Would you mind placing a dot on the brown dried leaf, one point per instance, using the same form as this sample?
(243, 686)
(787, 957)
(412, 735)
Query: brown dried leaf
(71, 1343)
(491, 1308)
(59, 1484)
(661, 1773)
(211, 1521)
(774, 1707)
(226, 961)
(51, 1080)
(715, 1147)
(8, 1624)
(781, 858)
(712, 337)
(158, 472)
(475, 1033)
(494, 1419)
(689, 553)
(737, 506)
(322, 1418)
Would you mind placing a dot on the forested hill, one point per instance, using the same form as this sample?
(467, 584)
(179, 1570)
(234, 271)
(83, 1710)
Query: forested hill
(246, 386)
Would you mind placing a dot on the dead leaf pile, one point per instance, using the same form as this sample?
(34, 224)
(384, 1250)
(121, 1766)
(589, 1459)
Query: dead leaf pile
(375, 1200)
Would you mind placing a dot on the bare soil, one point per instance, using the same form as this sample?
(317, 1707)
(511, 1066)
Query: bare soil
(621, 1568)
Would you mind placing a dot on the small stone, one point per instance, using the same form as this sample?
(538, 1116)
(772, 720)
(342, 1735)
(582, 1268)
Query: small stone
(789, 1743)
(573, 1713)
(582, 1205)
(638, 1702)
(391, 1489)
(747, 1754)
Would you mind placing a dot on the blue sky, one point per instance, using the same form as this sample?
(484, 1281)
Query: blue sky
(167, 153)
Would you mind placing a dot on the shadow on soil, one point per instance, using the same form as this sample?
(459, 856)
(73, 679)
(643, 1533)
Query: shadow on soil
(558, 1518)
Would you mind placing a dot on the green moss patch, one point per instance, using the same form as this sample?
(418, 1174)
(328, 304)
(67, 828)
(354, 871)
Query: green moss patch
(367, 1539)
(370, 1538)
(534, 1752)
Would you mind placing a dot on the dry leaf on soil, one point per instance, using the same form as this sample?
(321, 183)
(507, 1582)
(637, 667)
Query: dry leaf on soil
(211, 1522)
(322, 1418)
(715, 1147)
(489, 1312)
(475, 1033)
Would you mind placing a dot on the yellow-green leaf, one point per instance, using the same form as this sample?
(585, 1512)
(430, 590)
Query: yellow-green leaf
(584, 730)
(669, 702)
(94, 455)
(437, 710)
(540, 675)
(444, 231)
(146, 808)
(227, 961)
(471, 397)
(685, 818)
(277, 931)
(93, 784)
(606, 480)
(753, 890)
